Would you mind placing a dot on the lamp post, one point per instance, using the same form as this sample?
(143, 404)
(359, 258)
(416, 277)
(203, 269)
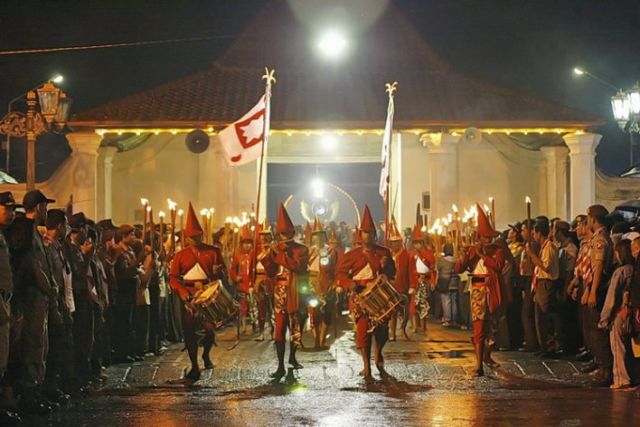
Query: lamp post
(51, 115)
(626, 112)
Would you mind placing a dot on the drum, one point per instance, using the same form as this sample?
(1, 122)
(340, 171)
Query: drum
(379, 300)
(215, 303)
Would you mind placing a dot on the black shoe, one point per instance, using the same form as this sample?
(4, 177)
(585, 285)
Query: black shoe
(588, 368)
(193, 375)
(561, 353)
(8, 418)
(294, 363)
(278, 374)
(584, 356)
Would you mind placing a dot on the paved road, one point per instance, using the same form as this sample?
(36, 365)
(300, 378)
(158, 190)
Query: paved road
(429, 384)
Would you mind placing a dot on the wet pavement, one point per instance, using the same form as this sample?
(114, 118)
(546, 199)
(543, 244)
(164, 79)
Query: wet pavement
(428, 384)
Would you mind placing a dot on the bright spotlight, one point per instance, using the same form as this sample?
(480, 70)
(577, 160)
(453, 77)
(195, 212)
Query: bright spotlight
(317, 187)
(314, 302)
(58, 78)
(578, 71)
(329, 142)
(332, 44)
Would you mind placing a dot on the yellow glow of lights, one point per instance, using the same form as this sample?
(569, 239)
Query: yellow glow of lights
(161, 214)
(341, 132)
(172, 204)
(204, 211)
(527, 200)
(180, 212)
(144, 202)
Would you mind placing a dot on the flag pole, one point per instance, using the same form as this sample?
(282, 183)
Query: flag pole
(390, 89)
(269, 79)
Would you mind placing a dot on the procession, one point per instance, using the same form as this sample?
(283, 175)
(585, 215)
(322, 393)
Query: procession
(328, 223)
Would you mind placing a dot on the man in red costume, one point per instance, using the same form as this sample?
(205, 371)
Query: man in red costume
(286, 262)
(485, 263)
(191, 270)
(263, 287)
(322, 275)
(403, 282)
(423, 272)
(241, 272)
(355, 270)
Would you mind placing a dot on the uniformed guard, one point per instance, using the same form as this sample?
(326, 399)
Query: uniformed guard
(485, 263)
(286, 262)
(423, 271)
(403, 283)
(357, 269)
(192, 269)
(601, 269)
(241, 272)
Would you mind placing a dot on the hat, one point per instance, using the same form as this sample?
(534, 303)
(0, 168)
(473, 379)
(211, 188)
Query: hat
(55, 217)
(485, 229)
(106, 224)
(284, 224)
(245, 234)
(77, 221)
(124, 230)
(317, 226)
(367, 225)
(417, 235)
(394, 234)
(192, 228)
(6, 199)
(33, 198)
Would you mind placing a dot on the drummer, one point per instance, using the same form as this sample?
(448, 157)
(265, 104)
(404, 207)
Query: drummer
(355, 270)
(192, 269)
(286, 262)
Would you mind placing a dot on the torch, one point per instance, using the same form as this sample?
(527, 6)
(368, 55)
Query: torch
(492, 202)
(172, 215)
(527, 200)
(212, 221)
(181, 215)
(152, 231)
(145, 206)
(161, 240)
(205, 223)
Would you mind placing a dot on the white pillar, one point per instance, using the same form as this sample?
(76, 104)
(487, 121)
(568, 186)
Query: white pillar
(582, 153)
(443, 171)
(107, 154)
(556, 179)
(84, 157)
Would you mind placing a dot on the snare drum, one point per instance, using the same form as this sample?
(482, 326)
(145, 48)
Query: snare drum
(379, 300)
(215, 303)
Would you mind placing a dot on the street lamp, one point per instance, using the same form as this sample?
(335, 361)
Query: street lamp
(51, 116)
(626, 111)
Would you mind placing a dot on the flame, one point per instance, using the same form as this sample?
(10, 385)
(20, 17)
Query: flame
(490, 199)
(148, 208)
(161, 214)
(527, 200)
(203, 212)
(455, 208)
(212, 211)
(180, 212)
(144, 202)
(172, 204)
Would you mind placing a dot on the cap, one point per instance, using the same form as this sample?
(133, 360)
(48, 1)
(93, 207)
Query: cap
(6, 199)
(55, 217)
(33, 198)
(77, 220)
(106, 224)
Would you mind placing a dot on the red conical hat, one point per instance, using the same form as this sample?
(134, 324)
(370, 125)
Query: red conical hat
(307, 233)
(417, 235)
(485, 229)
(394, 234)
(367, 224)
(284, 224)
(317, 226)
(192, 228)
(246, 234)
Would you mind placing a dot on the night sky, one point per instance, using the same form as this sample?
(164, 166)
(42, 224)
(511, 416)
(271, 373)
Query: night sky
(525, 45)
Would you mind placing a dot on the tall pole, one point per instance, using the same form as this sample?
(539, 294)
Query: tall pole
(388, 134)
(31, 141)
(631, 148)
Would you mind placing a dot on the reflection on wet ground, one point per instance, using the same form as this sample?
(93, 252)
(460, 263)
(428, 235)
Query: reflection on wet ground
(428, 383)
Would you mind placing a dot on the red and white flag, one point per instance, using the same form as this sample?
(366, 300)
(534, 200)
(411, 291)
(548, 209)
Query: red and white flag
(242, 140)
(386, 151)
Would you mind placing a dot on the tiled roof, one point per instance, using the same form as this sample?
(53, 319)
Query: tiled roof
(346, 93)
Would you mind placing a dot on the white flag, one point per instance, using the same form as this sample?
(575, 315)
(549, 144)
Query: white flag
(386, 151)
(242, 140)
